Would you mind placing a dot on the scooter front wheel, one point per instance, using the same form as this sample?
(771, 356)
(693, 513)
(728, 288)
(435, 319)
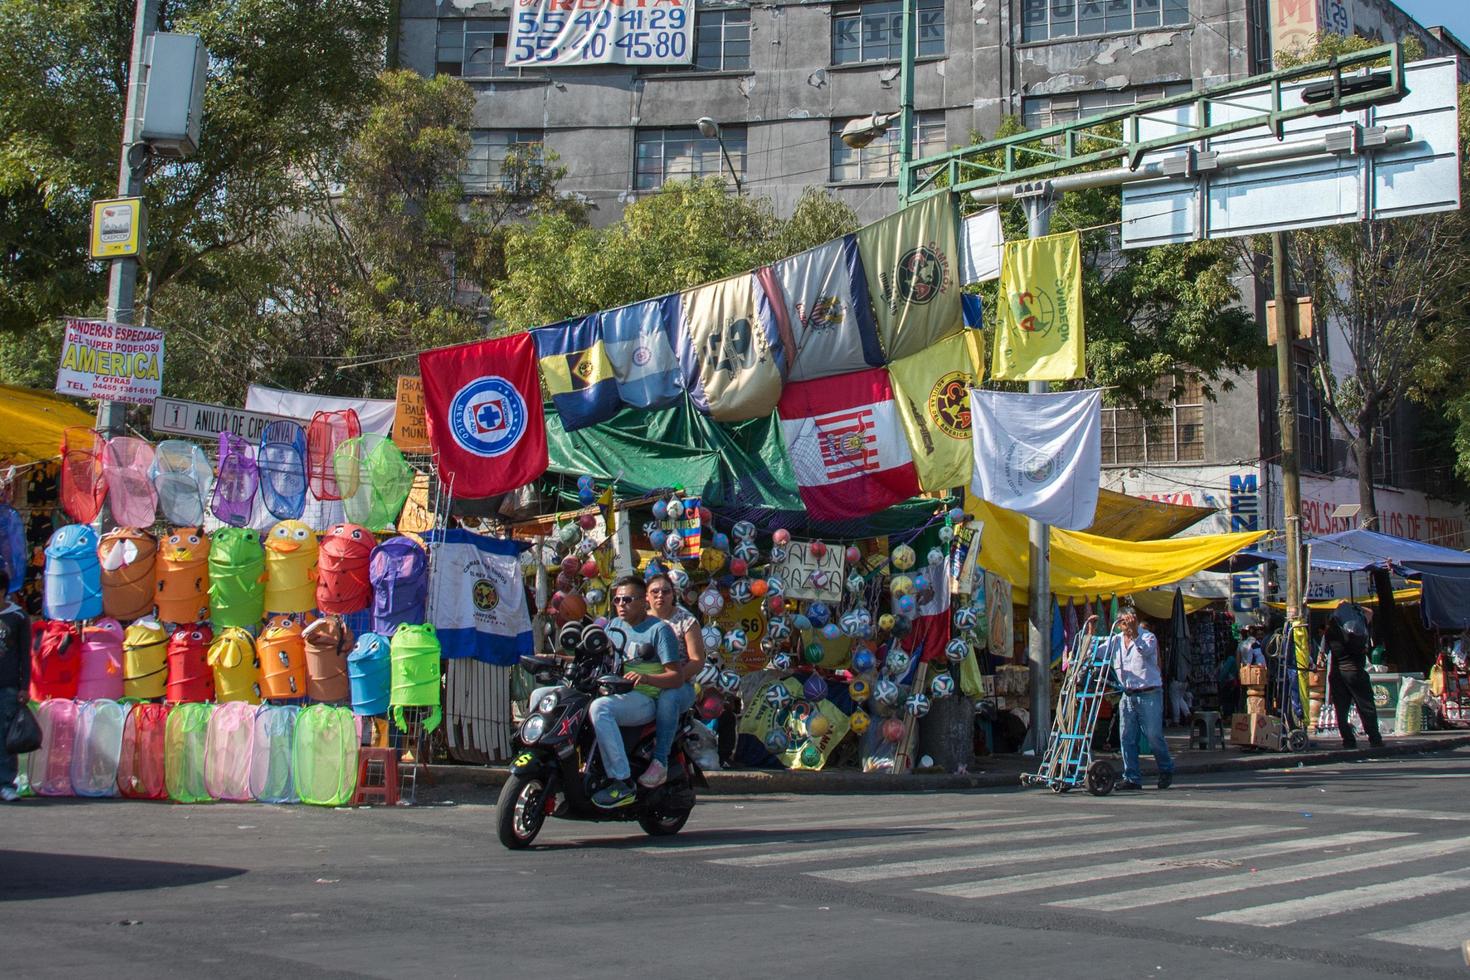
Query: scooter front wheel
(520, 811)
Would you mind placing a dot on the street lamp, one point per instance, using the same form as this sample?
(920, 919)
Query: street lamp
(710, 129)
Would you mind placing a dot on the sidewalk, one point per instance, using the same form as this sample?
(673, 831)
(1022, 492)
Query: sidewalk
(992, 772)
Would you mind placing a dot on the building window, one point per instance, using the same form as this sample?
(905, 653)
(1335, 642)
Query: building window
(1043, 20)
(1052, 110)
(1260, 37)
(1313, 432)
(680, 153)
(474, 47)
(1176, 436)
(485, 169)
(1385, 455)
(722, 40)
(874, 31)
(879, 159)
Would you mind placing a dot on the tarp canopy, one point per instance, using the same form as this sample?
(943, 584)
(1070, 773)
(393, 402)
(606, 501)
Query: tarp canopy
(31, 423)
(1401, 597)
(1358, 550)
(1084, 564)
(1129, 518)
(1159, 603)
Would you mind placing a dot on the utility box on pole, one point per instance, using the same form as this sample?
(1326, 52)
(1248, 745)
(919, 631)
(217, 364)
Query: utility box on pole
(173, 103)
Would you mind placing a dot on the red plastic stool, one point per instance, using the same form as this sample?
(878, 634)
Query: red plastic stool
(377, 777)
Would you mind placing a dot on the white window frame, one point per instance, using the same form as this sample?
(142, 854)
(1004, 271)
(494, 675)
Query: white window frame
(704, 157)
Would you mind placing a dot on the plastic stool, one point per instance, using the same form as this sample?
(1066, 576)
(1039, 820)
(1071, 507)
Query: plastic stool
(377, 777)
(1206, 731)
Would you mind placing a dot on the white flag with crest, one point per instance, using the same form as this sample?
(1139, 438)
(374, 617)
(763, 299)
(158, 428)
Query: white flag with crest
(1039, 455)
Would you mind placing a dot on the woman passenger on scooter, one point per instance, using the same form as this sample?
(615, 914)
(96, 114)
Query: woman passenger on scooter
(672, 703)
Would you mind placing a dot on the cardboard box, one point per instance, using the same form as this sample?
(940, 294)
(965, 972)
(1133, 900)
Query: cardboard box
(1255, 704)
(1240, 729)
(1266, 732)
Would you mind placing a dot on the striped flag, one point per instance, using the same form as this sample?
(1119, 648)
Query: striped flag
(578, 375)
(639, 340)
(846, 444)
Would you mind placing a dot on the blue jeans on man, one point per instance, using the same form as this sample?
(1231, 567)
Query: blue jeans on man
(1144, 712)
(609, 715)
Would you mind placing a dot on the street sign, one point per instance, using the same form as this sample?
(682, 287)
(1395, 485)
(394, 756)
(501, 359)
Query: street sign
(117, 227)
(1330, 187)
(199, 420)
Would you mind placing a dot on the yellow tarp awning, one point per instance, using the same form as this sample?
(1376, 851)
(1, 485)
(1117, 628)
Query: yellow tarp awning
(31, 423)
(1121, 515)
(1159, 603)
(1087, 565)
(1410, 595)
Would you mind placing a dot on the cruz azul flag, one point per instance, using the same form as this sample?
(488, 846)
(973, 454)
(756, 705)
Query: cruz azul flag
(578, 375)
(826, 299)
(1039, 455)
(911, 262)
(477, 597)
(846, 445)
(482, 409)
(933, 393)
(730, 340)
(1038, 336)
(639, 340)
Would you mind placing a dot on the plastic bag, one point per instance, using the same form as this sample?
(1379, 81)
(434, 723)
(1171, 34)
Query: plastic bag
(24, 733)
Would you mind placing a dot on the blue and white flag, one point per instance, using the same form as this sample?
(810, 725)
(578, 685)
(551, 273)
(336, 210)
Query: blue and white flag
(639, 340)
(1039, 455)
(477, 600)
(826, 297)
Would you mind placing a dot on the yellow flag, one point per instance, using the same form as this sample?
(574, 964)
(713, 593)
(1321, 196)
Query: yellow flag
(1039, 335)
(932, 389)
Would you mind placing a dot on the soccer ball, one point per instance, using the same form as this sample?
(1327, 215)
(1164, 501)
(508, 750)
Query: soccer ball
(811, 756)
(711, 603)
(674, 510)
(917, 705)
(708, 676)
(815, 688)
(900, 585)
(863, 661)
(743, 530)
(778, 696)
(831, 631)
(736, 641)
(740, 592)
(897, 663)
(852, 623)
(778, 629)
(903, 558)
(818, 613)
(730, 682)
(942, 686)
(781, 662)
(859, 689)
(818, 725)
(965, 618)
(886, 691)
(856, 582)
(713, 638)
(747, 552)
(956, 650)
(859, 722)
(680, 578)
(774, 585)
(776, 741)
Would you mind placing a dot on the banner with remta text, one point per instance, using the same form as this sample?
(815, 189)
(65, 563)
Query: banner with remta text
(600, 32)
(114, 361)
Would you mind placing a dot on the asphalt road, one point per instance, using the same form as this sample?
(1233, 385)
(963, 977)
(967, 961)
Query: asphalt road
(1353, 871)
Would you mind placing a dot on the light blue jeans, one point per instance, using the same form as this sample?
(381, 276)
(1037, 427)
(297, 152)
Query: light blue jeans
(671, 706)
(1146, 712)
(611, 713)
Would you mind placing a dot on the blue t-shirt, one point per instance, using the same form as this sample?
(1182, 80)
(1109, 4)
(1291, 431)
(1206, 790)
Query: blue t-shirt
(655, 635)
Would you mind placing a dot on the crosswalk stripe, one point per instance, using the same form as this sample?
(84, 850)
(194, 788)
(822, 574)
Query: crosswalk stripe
(1244, 881)
(804, 832)
(1321, 809)
(1348, 900)
(1138, 866)
(886, 847)
(1446, 933)
(991, 858)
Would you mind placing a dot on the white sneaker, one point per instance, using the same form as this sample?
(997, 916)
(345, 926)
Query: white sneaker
(9, 794)
(654, 776)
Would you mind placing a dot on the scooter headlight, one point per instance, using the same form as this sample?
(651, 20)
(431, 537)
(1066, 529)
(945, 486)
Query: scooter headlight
(532, 728)
(547, 702)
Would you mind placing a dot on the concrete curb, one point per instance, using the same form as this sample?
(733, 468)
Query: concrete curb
(759, 781)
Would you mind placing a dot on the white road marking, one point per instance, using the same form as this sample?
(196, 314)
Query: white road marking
(1446, 933)
(1279, 914)
(1305, 806)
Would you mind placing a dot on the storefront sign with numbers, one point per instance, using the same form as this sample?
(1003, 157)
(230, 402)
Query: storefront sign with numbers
(600, 32)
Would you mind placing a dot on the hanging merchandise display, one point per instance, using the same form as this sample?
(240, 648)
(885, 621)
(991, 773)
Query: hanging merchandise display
(327, 431)
(416, 673)
(479, 599)
(374, 480)
(186, 738)
(271, 743)
(83, 477)
(290, 564)
(49, 767)
(15, 551)
(228, 748)
(281, 653)
(126, 465)
(343, 582)
(399, 572)
(98, 747)
(182, 572)
(236, 672)
(324, 756)
(282, 463)
(182, 478)
(101, 672)
(729, 331)
(236, 577)
(189, 675)
(140, 774)
(1038, 335)
(368, 669)
(825, 294)
(911, 260)
(73, 574)
(56, 660)
(328, 641)
(238, 480)
(125, 558)
(145, 660)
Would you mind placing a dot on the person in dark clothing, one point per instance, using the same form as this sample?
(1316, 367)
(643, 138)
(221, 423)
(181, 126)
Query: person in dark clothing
(1347, 684)
(15, 678)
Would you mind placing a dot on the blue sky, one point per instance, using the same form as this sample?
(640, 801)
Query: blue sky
(1454, 14)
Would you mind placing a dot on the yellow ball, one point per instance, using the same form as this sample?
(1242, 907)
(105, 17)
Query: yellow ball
(859, 722)
(901, 585)
(885, 622)
(903, 558)
(818, 725)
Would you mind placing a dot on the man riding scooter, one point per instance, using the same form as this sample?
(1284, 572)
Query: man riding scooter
(653, 660)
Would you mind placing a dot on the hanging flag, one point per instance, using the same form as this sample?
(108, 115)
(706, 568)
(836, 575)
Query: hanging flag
(639, 340)
(933, 393)
(931, 630)
(578, 375)
(846, 445)
(729, 338)
(1039, 455)
(1038, 335)
(981, 244)
(1000, 616)
(477, 598)
(826, 302)
(482, 409)
(910, 260)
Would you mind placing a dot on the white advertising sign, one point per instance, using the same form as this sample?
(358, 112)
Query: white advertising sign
(601, 32)
(200, 420)
(114, 361)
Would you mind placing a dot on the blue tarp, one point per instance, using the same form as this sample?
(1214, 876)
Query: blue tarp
(1358, 551)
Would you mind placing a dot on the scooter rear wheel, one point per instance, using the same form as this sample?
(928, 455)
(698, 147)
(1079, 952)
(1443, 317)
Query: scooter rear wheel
(663, 824)
(520, 811)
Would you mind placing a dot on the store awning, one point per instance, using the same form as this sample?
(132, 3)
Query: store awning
(1358, 550)
(31, 423)
(1129, 518)
(1084, 564)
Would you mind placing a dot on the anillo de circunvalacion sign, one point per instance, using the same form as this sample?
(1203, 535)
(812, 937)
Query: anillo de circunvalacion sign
(601, 32)
(113, 361)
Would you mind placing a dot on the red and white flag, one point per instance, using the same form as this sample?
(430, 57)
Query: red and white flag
(482, 408)
(846, 444)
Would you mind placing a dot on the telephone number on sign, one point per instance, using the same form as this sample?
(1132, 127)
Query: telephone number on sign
(640, 35)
